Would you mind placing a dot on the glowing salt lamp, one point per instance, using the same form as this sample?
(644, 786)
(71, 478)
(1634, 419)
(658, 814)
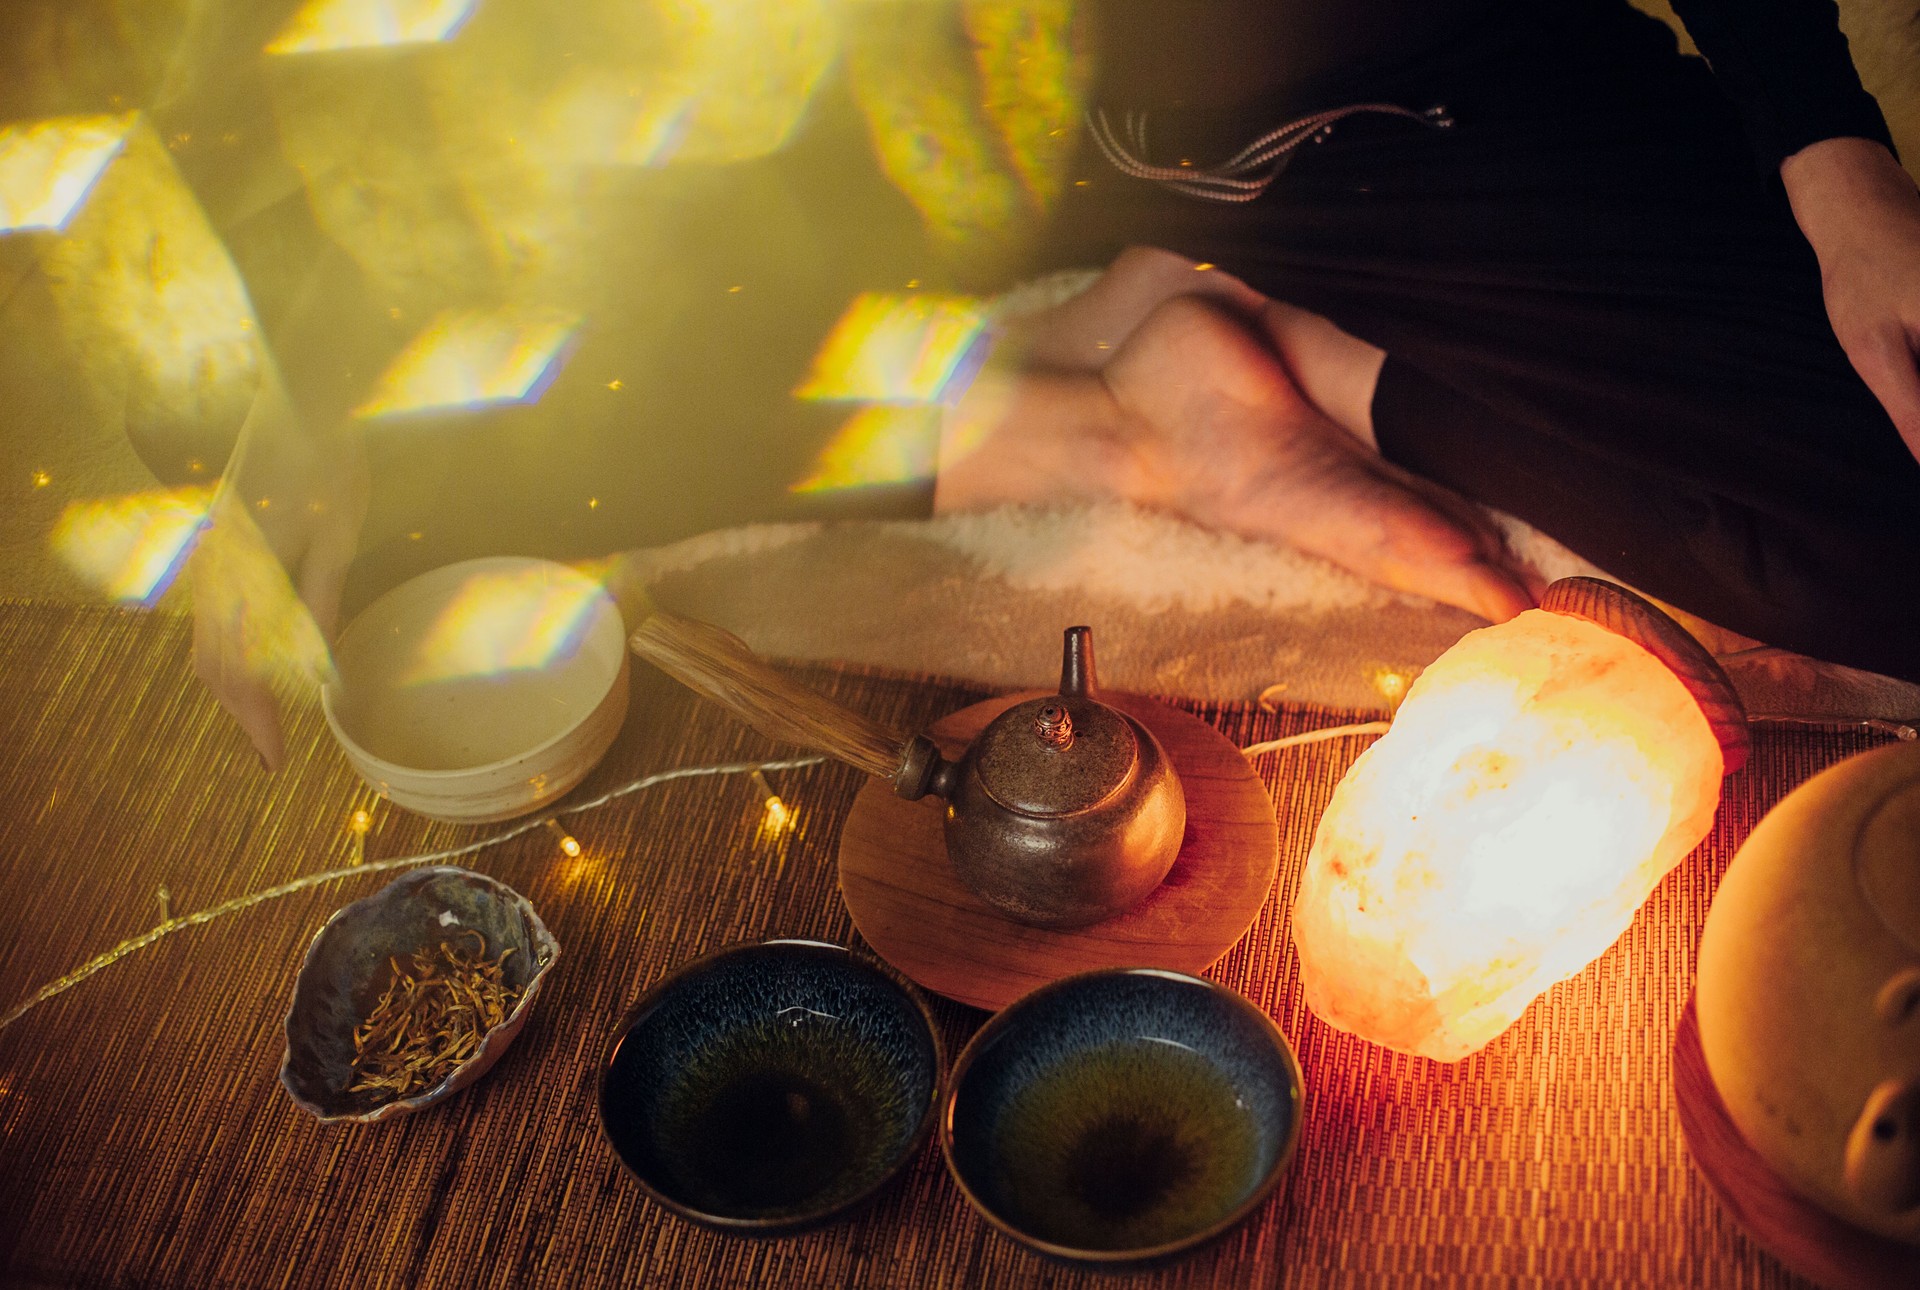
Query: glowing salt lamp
(1540, 779)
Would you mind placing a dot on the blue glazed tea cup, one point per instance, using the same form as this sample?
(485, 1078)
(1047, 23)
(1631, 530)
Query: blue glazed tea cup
(1122, 1116)
(768, 1088)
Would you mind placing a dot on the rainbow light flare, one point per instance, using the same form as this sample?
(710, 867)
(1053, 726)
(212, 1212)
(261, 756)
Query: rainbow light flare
(886, 348)
(323, 25)
(47, 168)
(505, 622)
(884, 444)
(131, 547)
(474, 358)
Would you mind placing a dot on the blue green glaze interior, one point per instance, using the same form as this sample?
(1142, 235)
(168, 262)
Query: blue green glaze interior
(772, 1084)
(1124, 1112)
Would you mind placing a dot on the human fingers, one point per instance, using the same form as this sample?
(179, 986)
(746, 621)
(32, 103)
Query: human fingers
(222, 662)
(1473, 585)
(1489, 542)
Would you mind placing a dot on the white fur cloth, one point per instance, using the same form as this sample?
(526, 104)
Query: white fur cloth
(1175, 609)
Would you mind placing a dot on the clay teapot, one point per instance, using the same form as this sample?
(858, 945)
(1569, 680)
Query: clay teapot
(1062, 812)
(1809, 990)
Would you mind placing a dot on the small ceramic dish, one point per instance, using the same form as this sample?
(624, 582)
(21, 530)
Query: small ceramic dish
(767, 1088)
(1122, 1116)
(481, 690)
(347, 969)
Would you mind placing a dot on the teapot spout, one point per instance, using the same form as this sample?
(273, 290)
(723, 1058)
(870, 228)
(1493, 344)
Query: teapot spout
(1076, 664)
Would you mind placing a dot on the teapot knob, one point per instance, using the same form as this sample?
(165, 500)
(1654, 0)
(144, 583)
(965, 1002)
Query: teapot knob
(1054, 725)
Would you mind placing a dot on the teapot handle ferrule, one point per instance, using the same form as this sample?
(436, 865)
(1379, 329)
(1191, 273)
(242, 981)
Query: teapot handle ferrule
(923, 770)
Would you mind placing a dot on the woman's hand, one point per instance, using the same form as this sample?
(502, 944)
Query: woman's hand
(1861, 213)
(268, 572)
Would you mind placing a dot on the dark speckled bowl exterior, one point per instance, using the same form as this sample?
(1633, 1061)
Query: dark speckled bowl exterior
(1122, 1117)
(346, 970)
(768, 1088)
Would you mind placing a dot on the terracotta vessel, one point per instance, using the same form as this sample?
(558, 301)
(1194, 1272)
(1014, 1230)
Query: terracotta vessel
(1064, 811)
(1809, 990)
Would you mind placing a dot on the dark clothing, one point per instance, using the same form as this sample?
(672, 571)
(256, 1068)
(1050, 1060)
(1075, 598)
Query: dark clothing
(1784, 63)
(1598, 313)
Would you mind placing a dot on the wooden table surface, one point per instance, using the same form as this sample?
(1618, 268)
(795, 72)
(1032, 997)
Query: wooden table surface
(145, 1139)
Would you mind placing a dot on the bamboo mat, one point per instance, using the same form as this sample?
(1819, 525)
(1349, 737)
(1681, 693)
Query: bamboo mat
(144, 1138)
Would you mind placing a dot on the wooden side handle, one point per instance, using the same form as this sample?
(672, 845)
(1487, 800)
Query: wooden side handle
(717, 665)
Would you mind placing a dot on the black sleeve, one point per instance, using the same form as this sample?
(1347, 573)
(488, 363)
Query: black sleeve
(1785, 65)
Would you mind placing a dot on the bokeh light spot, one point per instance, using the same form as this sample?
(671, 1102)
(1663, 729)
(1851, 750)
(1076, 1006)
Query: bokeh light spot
(131, 547)
(505, 622)
(919, 348)
(475, 358)
(884, 444)
(47, 168)
(364, 24)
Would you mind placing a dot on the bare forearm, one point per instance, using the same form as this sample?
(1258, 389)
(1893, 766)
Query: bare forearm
(1861, 213)
(1837, 186)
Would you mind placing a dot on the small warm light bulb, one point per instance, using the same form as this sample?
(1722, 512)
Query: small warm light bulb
(569, 845)
(778, 818)
(1392, 684)
(359, 824)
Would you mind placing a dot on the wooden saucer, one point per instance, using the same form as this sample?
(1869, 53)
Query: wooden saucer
(910, 907)
(1809, 1240)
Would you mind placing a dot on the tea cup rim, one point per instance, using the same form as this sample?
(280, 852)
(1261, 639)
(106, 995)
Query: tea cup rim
(675, 978)
(1011, 1014)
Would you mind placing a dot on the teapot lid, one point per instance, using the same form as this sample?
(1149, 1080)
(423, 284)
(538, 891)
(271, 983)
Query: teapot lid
(1055, 755)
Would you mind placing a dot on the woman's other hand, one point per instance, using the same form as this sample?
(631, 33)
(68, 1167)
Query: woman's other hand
(1861, 213)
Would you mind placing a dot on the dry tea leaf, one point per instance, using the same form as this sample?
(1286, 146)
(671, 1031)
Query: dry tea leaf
(432, 1017)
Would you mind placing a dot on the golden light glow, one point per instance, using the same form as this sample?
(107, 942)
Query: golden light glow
(505, 622)
(569, 845)
(147, 298)
(362, 24)
(359, 822)
(777, 819)
(735, 79)
(1392, 683)
(1033, 80)
(878, 445)
(47, 168)
(917, 348)
(474, 358)
(932, 138)
(1540, 778)
(131, 547)
(777, 822)
(974, 122)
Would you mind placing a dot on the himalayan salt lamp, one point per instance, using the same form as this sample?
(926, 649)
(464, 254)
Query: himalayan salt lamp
(1539, 780)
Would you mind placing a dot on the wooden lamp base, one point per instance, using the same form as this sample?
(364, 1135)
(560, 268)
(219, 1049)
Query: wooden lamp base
(907, 903)
(1806, 1238)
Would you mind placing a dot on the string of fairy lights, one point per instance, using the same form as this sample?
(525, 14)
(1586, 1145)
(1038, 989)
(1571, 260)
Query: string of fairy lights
(360, 823)
(777, 819)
